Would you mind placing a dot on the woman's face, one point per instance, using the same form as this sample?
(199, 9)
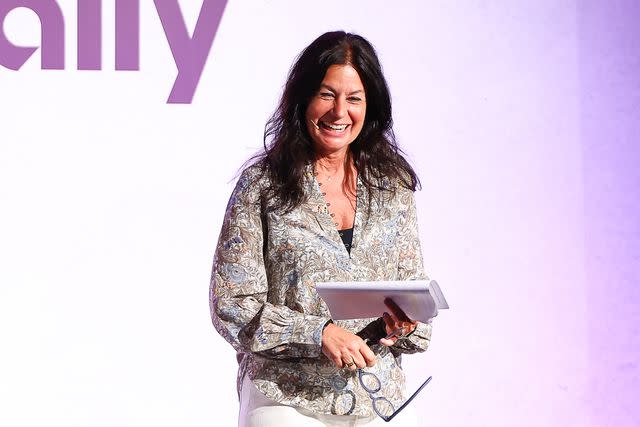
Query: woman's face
(336, 112)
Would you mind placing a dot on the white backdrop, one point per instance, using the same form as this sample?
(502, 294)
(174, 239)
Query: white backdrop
(112, 201)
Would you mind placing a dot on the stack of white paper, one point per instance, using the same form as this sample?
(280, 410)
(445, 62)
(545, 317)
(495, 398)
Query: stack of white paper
(419, 299)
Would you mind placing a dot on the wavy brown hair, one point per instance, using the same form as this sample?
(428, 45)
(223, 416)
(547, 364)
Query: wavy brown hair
(288, 147)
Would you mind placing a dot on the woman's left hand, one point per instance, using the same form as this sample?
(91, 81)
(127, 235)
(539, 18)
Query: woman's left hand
(397, 323)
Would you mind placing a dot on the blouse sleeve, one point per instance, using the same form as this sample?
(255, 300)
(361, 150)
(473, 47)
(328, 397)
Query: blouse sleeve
(410, 267)
(239, 287)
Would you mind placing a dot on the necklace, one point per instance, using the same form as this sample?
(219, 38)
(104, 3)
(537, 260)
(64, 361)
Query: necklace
(328, 177)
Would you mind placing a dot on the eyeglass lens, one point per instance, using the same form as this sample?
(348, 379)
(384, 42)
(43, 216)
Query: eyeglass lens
(382, 406)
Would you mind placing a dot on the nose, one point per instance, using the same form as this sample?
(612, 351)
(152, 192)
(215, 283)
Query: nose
(340, 107)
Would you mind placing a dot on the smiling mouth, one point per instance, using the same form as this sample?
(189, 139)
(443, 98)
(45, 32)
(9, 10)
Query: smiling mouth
(335, 128)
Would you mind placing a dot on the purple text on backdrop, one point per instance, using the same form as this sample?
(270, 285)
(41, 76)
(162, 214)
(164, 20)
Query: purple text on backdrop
(190, 53)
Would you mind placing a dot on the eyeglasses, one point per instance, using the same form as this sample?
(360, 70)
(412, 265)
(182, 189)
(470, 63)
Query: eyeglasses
(344, 400)
(381, 405)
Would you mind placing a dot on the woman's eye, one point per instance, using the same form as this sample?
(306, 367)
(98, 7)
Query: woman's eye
(354, 99)
(326, 95)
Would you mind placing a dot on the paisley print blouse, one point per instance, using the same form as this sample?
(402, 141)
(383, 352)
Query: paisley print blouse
(263, 298)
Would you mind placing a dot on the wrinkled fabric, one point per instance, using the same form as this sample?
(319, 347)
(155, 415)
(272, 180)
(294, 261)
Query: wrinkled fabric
(264, 303)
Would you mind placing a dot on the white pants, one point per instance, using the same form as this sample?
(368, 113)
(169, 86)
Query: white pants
(256, 410)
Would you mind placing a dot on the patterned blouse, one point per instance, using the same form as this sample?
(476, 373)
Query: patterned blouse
(263, 298)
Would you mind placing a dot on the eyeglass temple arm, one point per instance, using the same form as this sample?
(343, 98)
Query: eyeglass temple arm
(404, 405)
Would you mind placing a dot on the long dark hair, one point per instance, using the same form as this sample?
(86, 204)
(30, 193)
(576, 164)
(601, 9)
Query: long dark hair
(288, 147)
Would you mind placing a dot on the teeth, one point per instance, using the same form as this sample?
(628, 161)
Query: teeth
(335, 127)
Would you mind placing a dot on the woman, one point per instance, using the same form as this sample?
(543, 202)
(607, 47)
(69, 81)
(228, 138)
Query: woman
(330, 199)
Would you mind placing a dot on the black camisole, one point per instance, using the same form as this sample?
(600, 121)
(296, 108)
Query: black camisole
(347, 237)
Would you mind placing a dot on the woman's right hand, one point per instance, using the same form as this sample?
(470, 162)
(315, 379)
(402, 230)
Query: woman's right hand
(345, 349)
